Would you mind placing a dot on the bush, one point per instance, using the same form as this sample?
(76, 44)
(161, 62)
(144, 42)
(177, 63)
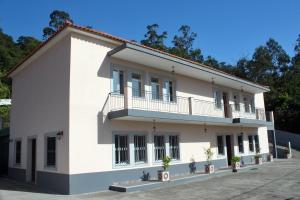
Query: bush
(209, 154)
(235, 159)
(166, 162)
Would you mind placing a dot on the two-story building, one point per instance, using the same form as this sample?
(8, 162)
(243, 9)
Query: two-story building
(90, 109)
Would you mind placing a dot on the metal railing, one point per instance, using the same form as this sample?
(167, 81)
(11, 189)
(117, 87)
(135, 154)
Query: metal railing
(146, 100)
(241, 112)
(260, 114)
(158, 102)
(269, 116)
(207, 108)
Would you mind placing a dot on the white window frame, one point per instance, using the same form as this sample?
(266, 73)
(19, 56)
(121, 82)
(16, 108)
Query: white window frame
(127, 162)
(131, 149)
(46, 166)
(217, 97)
(146, 149)
(238, 144)
(164, 147)
(224, 145)
(15, 152)
(236, 102)
(170, 147)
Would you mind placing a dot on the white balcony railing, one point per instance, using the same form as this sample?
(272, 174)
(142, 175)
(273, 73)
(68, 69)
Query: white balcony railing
(181, 105)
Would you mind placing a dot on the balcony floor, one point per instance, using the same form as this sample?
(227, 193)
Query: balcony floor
(166, 117)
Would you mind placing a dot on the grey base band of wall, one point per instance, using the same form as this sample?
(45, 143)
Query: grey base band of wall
(91, 182)
(55, 182)
(250, 159)
(17, 174)
(99, 181)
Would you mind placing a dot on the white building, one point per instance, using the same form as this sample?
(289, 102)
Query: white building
(90, 109)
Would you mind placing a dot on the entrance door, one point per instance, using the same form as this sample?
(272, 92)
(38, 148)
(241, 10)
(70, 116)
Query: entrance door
(226, 105)
(229, 149)
(33, 160)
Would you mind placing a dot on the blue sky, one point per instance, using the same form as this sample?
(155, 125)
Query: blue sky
(227, 30)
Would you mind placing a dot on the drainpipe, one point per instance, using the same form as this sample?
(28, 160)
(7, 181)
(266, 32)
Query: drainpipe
(275, 143)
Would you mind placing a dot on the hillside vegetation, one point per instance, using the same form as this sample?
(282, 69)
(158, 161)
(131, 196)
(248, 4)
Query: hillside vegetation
(269, 65)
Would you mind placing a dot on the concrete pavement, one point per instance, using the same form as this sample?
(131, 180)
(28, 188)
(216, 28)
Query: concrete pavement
(278, 180)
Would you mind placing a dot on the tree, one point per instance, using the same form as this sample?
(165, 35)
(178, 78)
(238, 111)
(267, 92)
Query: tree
(57, 20)
(153, 39)
(27, 44)
(183, 45)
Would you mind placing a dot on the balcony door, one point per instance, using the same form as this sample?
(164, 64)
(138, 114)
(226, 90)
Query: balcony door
(226, 105)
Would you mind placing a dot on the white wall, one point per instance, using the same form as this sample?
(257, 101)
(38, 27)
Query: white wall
(40, 105)
(91, 132)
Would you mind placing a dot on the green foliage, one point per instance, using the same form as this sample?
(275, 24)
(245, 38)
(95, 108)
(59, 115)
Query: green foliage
(166, 162)
(4, 113)
(236, 159)
(183, 45)
(153, 39)
(209, 154)
(57, 20)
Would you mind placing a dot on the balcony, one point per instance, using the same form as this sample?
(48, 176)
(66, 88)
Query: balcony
(144, 106)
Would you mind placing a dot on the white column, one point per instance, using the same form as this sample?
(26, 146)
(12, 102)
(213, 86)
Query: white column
(127, 93)
(191, 105)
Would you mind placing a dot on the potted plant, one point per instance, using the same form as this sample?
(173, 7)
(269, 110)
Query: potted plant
(209, 167)
(287, 153)
(164, 175)
(270, 157)
(258, 157)
(236, 163)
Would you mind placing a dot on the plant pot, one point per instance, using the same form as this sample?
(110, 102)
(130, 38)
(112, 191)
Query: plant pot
(209, 169)
(288, 155)
(163, 176)
(236, 166)
(270, 158)
(258, 160)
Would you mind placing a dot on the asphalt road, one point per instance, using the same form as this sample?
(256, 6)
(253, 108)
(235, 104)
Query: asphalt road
(277, 180)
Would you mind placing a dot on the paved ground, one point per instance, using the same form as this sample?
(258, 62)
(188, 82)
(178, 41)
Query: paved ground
(278, 180)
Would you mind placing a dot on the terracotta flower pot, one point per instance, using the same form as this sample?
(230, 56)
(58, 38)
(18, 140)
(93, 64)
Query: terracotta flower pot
(258, 160)
(236, 166)
(163, 176)
(209, 168)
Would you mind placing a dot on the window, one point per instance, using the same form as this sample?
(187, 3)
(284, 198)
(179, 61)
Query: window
(121, 150)
(236, 101)
(252, 105)
(220, 142)
(246, 104)
(140, 149)
(155, 88)
(256, 140)
(168, 91)
(136, 85)
(51, 151)
(118, 81)
(251, 145)
(241, 143)
(159, 147)
(18, 151)
(174, 147)
(218, 101)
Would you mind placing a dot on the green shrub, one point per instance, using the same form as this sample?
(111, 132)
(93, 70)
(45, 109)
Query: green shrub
(235, 159)
(166, 162)
(209, 154)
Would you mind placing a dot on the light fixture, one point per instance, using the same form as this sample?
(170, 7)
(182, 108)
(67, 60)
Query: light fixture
(154, 127)
(212, 81)
(205, 129)
(173, 69)
(59, 135)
